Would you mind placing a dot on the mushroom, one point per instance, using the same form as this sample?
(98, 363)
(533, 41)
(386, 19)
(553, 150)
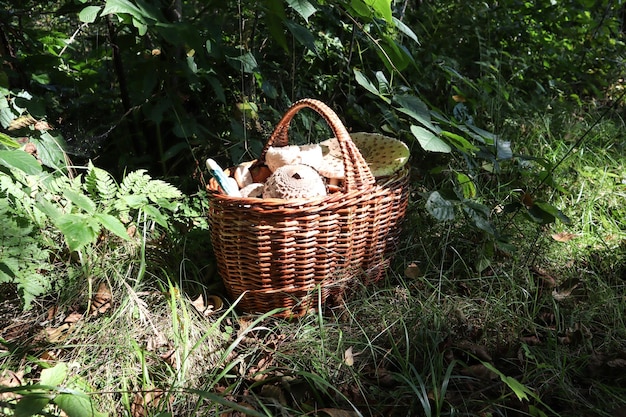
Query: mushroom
(254, 190)
(384, 155)
(242, 174)
(294, 181)
(275, 157)
(311, 155)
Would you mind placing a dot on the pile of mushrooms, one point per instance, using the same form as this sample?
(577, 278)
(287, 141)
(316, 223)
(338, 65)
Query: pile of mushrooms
(310, 171)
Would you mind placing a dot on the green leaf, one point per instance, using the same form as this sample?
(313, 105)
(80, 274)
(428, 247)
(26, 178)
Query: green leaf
(365, 83)
(89, 14)
(549, 208)
(380, 8)
(50, 150)
(303, 7)
(440, 208)
(404, 29)
(302, 35)
(361, 8)
(21, 160)
(54, 376)
(429, 141)
(113, 225)
(479, 216)
(134, 201)
(503, 149)
(8, 141)
(80, 200)
(154, 214)
(246, 62)
(467, 185)
(460, 142)
(274, 19)
(122, 6)
(417, 109)
(31, 404)
(521, 391)
(77, 404)
(77, 229)
(396, 56)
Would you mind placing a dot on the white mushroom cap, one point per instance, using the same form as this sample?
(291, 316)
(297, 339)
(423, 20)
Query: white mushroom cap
(242, 174)
(384, 155)
(254, 190)
(276, 157)
(311, 155)
(279, 156)
(294, 181)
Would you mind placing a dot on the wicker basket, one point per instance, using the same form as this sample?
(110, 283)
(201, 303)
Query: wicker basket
(279, 252)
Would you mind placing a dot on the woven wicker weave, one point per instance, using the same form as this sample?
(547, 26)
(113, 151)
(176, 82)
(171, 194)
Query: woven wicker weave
(278, 251)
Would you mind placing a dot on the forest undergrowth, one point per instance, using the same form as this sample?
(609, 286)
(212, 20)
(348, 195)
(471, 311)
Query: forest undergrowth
(505, 296)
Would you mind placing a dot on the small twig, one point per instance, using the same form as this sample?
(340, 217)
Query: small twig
(72, 38)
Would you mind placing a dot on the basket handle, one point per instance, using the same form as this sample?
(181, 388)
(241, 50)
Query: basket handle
(357, 174)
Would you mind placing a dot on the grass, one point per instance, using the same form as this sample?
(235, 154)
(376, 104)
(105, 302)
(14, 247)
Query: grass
(538, 331)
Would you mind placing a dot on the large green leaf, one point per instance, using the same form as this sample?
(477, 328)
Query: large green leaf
(77, 404)
(440, 208)
(78, 230)
(54, 376)
(417, 109)
(112, 224)
(460, 142)
(80, 200)
(404, 29)
(89, 14)
(122, 6)
(303, 7)
(32, 404)
(369, 8)
(21, 160)
(364, 82)
(302, 35)
(246, 62)
(549, 208)
(429, 141)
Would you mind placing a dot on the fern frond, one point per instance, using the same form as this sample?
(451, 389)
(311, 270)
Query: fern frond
(23, 256)
(134, 183)
(100, 185)
(157, 190)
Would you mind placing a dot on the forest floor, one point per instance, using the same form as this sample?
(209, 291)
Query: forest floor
(535, 331)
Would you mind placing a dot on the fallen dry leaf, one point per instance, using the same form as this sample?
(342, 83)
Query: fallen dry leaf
(56, 334)
(617, 363)
(479, 371)
(274, 392)
(10, 379)
(144, 402)
(101, 301)
(563, 236)
(476, 350)
(547, 280)
(73, 318)
(530, 340)
(527, 200)
(566, 290)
